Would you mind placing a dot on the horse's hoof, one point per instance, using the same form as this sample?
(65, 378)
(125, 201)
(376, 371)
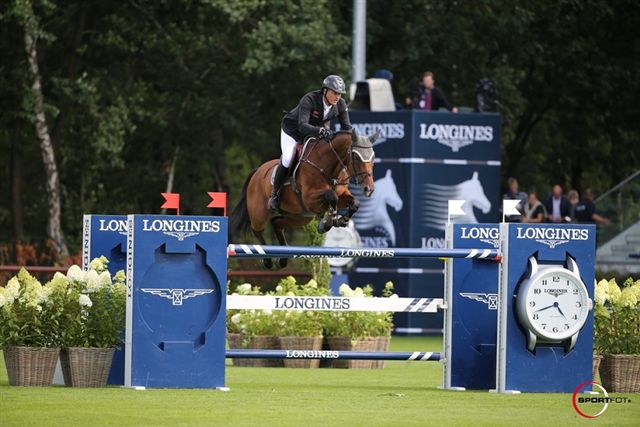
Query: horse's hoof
(342, 222)
(323, 227)
(283, 262)
(267, 263)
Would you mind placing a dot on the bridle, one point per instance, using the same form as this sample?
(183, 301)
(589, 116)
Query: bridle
(345, 164)
(359, 177)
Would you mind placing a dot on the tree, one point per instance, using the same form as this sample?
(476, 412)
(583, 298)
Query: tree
(33, 32)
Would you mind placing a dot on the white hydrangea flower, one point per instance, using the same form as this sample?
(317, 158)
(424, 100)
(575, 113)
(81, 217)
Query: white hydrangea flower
(3, 299)
(613, 291)
(119, 277)
(602, 292)
(59, 276)
(97, 264)
(43, 294)
(105, 278)
(244, 288)
(13, 288)
(85, 301)
(628, 298)
(358, 292)
(75, 274)
(278, 288)
(344, 289)
(312, 284)
(267, 312)
(236, 318)
(93, 283)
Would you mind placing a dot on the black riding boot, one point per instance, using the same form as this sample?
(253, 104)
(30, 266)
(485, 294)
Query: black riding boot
(278, 180)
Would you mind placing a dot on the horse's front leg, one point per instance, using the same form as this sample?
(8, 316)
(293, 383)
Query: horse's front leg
(330, 216)
(347, 207)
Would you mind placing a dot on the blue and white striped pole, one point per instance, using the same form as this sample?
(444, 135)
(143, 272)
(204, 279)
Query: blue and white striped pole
(262, 251)
(332, 355)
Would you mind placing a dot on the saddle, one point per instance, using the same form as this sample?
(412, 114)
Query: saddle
(295, 163)
(293, 169)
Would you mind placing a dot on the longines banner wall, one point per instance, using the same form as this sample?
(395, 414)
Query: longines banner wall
(424, 159)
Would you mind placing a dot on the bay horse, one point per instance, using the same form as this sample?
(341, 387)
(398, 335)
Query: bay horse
(319, 188)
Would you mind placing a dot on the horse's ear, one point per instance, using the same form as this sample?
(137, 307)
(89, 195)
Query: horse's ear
(354, 135)
(388, 174)
(375, 136)
(475, 175)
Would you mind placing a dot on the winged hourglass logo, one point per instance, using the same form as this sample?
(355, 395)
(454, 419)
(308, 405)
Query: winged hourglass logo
(176, 295)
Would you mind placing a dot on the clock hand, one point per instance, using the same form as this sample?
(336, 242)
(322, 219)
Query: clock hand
(558, 307)
(545, 308)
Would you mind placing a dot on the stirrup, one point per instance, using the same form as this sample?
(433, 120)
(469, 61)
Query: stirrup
(274, 202)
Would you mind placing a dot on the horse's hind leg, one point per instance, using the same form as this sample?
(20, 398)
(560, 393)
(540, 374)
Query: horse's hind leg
(278, 224)
(267, 262)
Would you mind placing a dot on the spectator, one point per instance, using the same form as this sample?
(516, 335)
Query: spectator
(573, 198)
(557, 205)
(534, 211)
(427, 96)
(515, 194)
(586, 210)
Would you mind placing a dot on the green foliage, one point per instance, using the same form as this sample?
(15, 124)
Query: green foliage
(81, 309)
(356, 324)
(317, 267)
(127, 85)
(617, 317)
(31, 314)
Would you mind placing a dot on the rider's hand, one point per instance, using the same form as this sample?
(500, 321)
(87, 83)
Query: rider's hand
(327, 134)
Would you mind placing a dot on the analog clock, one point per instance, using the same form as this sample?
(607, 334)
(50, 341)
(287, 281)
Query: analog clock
(552, 303)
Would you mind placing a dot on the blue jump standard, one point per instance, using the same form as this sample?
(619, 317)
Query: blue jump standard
(261, 251)
(332, 354)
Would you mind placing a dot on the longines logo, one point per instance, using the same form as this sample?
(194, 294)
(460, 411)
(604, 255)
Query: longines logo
(490, 299)
(455, 136)
(117, 225)
(432, 242)
(177, 295)
(555, 292)
(490, 236)
(552, 237)
(373, 253)
(387, 130)
(181, 228)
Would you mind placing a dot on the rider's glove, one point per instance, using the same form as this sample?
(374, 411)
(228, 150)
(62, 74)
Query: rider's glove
(327, 134)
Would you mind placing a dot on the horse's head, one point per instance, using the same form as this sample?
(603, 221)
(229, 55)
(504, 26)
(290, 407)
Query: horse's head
(362, 156)
(390, 191)
(474, 193)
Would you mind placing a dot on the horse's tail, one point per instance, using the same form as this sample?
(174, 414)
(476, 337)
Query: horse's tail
(239, 220)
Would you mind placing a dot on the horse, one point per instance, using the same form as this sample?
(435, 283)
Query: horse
(437, 197)
(319, 188)
(373, 212)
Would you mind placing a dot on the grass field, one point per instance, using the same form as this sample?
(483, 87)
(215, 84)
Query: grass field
(402, 394)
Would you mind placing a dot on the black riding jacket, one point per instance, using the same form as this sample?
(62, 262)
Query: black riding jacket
(306, 119)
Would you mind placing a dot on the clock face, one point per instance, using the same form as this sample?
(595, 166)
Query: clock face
(556, 303)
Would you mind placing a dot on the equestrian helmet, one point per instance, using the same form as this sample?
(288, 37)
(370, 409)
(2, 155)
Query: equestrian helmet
(335, 83)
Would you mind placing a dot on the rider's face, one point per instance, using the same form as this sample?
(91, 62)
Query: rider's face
(332, 97)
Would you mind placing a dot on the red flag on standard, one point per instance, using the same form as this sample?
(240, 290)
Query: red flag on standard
(218, 200)
(172, 201)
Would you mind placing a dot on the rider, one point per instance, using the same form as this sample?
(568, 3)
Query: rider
(311, 117)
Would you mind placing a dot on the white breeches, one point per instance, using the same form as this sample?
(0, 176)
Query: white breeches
(288, 147)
